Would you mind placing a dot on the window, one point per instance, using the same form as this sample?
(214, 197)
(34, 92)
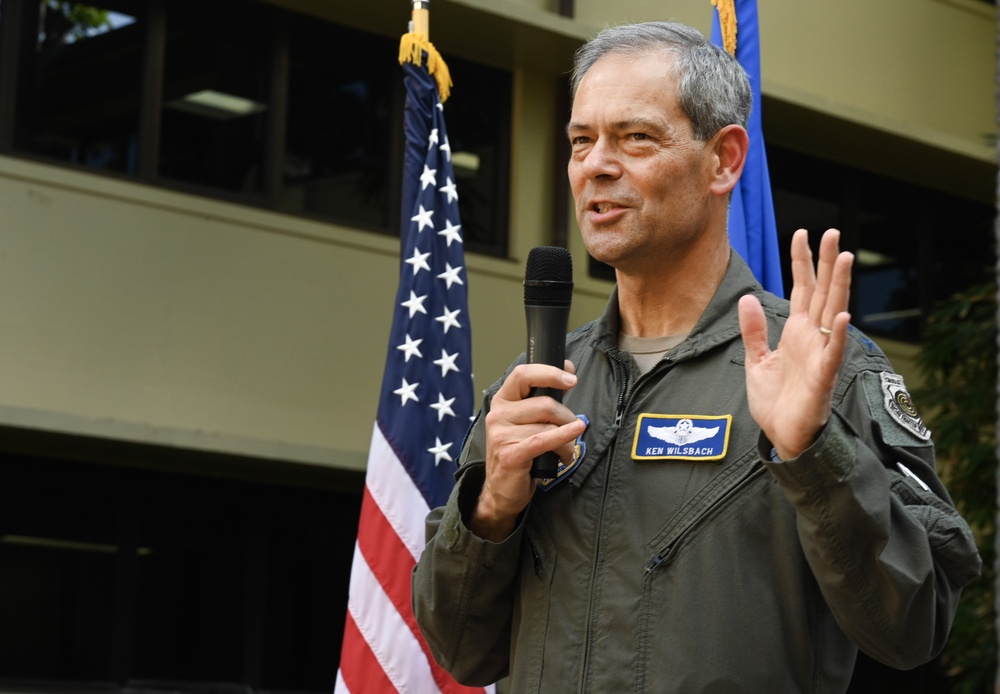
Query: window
(913, 246)
(216, 72)
(112, 577)
(343, 148)
(243, 101)
(77, 83)
(340, 139)
(57, 577)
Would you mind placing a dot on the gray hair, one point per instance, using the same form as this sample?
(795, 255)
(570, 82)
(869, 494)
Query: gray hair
(712, 87)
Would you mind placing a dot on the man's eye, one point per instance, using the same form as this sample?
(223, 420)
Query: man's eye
(579, 140)
(638, 136)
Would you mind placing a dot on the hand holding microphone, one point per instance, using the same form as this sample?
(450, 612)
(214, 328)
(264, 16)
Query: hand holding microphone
(548, 293)
(548, 289)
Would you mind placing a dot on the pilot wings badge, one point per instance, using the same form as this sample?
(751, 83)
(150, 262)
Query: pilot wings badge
(681, 437)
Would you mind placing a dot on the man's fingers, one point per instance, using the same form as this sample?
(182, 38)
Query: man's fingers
(839, 292)
(526, 377)
(753, 327)
(547, 438)
(803, 272)
(822, 292)
(560, 440)
(829, 247)
(833, 355)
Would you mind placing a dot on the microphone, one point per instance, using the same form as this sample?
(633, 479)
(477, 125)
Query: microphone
(548, 292)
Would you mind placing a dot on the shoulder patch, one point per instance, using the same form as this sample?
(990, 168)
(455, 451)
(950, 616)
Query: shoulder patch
(898, 405)
(865, 341)
(564, 470)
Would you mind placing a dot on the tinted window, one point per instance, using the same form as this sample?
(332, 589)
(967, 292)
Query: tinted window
(112, 574)
(244, 101)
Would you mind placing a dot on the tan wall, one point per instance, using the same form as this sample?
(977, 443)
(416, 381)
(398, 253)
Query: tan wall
(919, 68)
(141, 314)
(124, 307)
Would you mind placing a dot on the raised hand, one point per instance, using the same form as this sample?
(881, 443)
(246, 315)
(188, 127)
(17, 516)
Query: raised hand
(790, 388)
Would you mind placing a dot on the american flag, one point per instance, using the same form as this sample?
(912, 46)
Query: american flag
(424, 411)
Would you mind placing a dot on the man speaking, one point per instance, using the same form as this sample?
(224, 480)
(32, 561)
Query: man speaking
(747, 495)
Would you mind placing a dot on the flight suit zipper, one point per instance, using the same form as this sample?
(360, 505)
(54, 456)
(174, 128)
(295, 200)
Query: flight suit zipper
(666, 555)
(621, 374)
(661, 557)
(537, 559)
(621, 371)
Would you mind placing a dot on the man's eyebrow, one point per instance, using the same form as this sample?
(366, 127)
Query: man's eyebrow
(637, 124)
(628, 124)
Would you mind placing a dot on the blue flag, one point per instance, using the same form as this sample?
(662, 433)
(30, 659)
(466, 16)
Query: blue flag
(752, 229)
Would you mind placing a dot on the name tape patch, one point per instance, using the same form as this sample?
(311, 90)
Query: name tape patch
(681, 437)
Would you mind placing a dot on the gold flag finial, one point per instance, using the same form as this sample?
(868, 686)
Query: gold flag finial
(411, 50)
(414, 44)
(727, 20)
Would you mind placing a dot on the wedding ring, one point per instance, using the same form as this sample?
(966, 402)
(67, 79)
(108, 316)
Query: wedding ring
(825, 331)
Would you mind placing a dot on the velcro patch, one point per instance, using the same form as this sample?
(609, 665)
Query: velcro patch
(564, 470)
(900, 407)
(681, 437)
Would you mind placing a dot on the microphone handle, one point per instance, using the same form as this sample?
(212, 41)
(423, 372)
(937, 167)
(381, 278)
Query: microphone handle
(546, 345)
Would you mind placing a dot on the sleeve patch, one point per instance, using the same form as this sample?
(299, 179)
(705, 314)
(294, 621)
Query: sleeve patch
(896, 407)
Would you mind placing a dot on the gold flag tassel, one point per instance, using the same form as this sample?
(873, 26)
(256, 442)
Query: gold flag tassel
(727, 20)
(411, 50)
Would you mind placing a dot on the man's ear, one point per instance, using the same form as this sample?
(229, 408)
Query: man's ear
(730, 146)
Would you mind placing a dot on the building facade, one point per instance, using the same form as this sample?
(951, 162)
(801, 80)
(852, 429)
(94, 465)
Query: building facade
(199, 256)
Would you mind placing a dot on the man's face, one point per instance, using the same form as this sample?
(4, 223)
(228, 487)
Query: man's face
(639, 177)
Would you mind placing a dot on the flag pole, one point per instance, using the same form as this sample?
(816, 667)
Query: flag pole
(420, 19)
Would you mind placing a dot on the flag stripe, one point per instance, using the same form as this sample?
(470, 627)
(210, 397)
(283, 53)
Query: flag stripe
(396, 494)
(356, 651)
(400, 656)
(386, 557)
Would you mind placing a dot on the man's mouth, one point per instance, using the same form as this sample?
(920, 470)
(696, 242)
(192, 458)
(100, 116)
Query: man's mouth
(602, 207)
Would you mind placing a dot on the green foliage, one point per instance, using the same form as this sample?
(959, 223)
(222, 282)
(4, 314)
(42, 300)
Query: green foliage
(79, 21)
(958, 359)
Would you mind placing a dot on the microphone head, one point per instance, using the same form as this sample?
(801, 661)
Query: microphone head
(548, 277)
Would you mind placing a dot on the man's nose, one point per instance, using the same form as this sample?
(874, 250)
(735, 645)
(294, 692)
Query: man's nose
(603, 159)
